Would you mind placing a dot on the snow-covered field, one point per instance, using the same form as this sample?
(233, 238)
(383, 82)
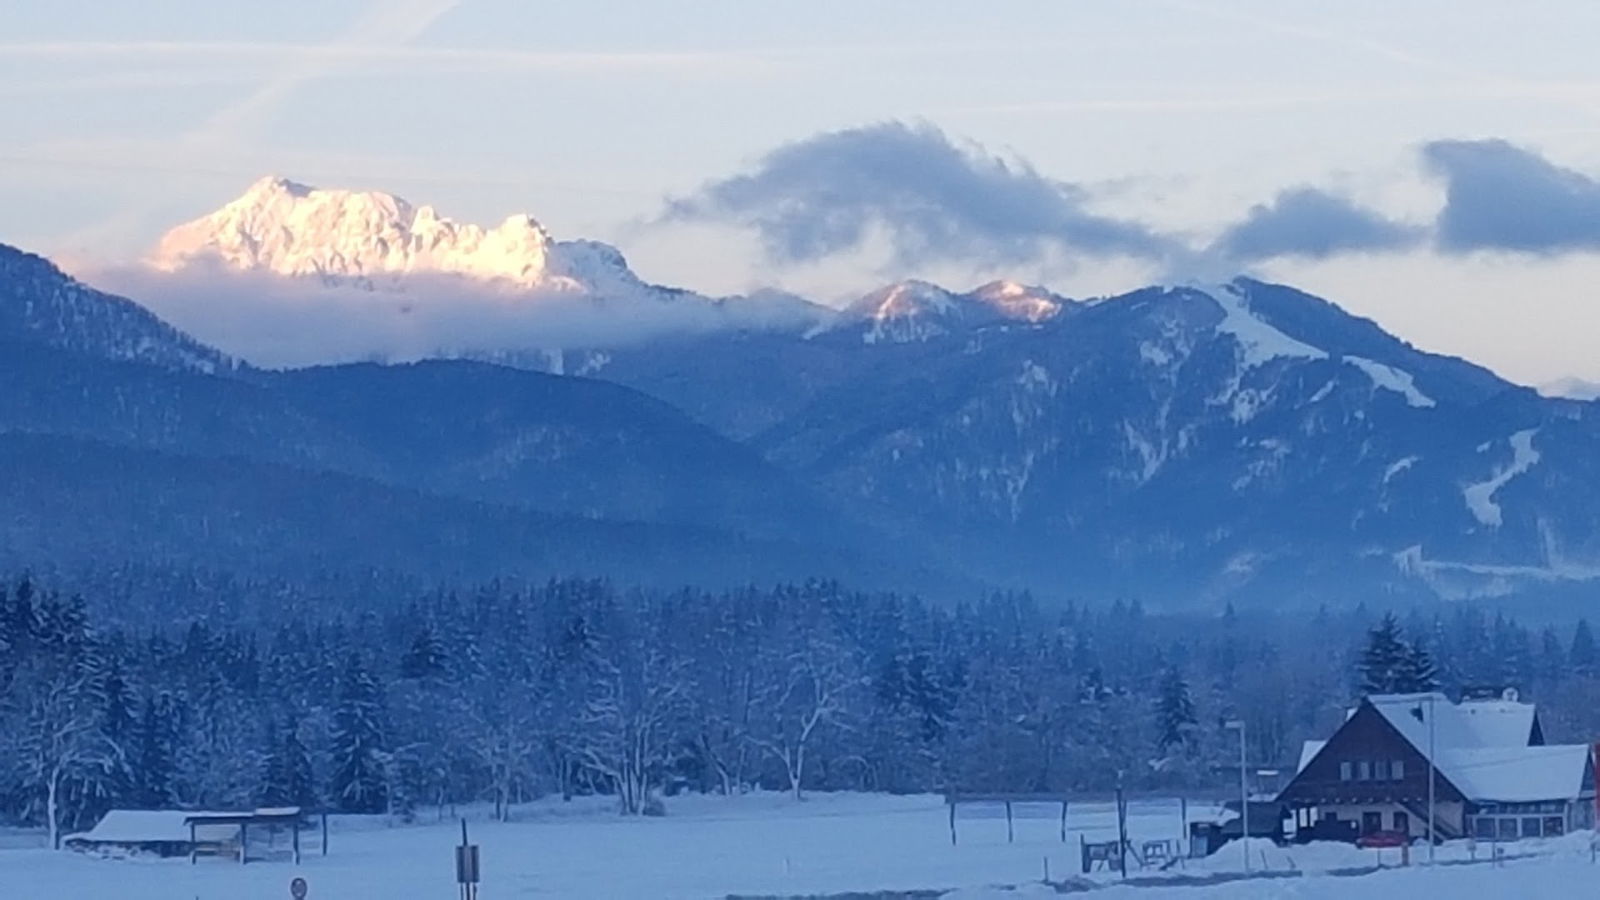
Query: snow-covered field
(770, 845)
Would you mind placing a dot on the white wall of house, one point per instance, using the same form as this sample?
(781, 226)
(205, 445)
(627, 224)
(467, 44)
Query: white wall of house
(1448, 816)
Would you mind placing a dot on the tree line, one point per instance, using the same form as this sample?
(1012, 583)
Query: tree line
(502, 693)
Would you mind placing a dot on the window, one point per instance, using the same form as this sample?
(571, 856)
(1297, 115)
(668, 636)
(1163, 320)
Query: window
(1554, 826)
(1397, 770)
(1507, 829)
(1530, 826)
(1380, 770)
(1371, 822)
(1363, 771)
(1344, 771)
(1402, 823)
(1483, 828)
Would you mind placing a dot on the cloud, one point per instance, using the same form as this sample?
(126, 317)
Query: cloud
(1501, 197)
(275, 321)
(1308, 222)
(932, 199)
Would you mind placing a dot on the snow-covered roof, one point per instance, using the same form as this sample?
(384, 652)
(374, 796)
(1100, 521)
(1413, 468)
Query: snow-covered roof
(1308, 752)
(1481, 746)
(1468, 725)
(150, 826)
(1517, 774)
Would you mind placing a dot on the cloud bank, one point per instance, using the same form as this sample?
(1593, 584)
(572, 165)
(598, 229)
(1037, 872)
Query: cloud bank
(1501, 197)
(1311, 223)
(934, 199)
(281, 322)
(826, 194)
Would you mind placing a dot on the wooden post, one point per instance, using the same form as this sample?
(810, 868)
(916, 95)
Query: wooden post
(244, 841)
(1183, 829)
(952, 801)
(1122, 833)
(1010, 836)
(324, 832)
(297, 841)
(194, 848)
(1063, 821)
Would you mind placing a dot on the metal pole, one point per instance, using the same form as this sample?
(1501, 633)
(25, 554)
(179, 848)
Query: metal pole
(1433, 836)
(1244, 802)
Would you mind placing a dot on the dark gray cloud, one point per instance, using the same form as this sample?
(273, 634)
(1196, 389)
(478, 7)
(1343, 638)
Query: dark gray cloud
(1501, 197)
(934, 199)
(1308, 222)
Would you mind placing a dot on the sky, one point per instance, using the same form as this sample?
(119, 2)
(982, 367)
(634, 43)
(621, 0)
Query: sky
(1432, 164)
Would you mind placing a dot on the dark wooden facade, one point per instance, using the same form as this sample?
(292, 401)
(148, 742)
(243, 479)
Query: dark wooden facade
(1366, 738)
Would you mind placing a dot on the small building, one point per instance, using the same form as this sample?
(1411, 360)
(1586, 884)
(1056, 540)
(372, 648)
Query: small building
(1493, 775)
(195, 833)
(1266, 821)
(159, 832)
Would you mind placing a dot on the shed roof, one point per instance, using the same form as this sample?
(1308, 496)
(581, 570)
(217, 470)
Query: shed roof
(151, 826)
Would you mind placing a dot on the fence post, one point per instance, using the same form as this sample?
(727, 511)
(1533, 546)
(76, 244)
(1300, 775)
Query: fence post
(952, 800)
(1010, 836)
(1063, 821)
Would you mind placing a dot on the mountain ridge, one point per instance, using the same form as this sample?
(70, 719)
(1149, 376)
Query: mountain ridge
(1185, 443)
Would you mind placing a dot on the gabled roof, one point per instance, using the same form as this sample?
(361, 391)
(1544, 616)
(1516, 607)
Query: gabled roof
(1470, 725)
(1482, 747)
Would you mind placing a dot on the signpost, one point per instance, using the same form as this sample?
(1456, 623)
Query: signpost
(467, 866)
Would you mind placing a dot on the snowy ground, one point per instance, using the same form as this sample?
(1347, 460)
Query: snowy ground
(769, 845)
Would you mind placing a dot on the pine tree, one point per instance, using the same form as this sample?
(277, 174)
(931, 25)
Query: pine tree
(425, 657)
(1416, 673)
(358, 781)
(1583, 658)
(1384, 659)
(286, 775)
(1174, 711)
(153, 755)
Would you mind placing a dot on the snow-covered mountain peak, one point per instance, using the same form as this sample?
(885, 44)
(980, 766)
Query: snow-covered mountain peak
(1020, 302)
(913, 310)
(906, 299)
(1571, 389)
(366, 237)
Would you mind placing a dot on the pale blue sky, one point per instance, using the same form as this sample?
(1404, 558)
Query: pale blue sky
(122, 119)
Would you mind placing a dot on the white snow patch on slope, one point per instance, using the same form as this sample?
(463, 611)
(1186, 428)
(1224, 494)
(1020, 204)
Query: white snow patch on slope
(1480, 496)
(1259, 342)
(1398, 466)
(1391, 379)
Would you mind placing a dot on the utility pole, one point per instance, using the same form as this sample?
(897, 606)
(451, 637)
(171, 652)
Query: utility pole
(1244, 794)
(1432, 835)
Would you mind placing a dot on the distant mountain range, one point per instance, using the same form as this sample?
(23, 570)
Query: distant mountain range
(1181, 444)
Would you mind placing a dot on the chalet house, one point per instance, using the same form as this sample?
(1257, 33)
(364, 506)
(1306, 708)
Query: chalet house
(1494, 778)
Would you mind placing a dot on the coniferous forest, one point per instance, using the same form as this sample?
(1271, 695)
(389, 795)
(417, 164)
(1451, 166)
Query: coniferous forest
(406, 701)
